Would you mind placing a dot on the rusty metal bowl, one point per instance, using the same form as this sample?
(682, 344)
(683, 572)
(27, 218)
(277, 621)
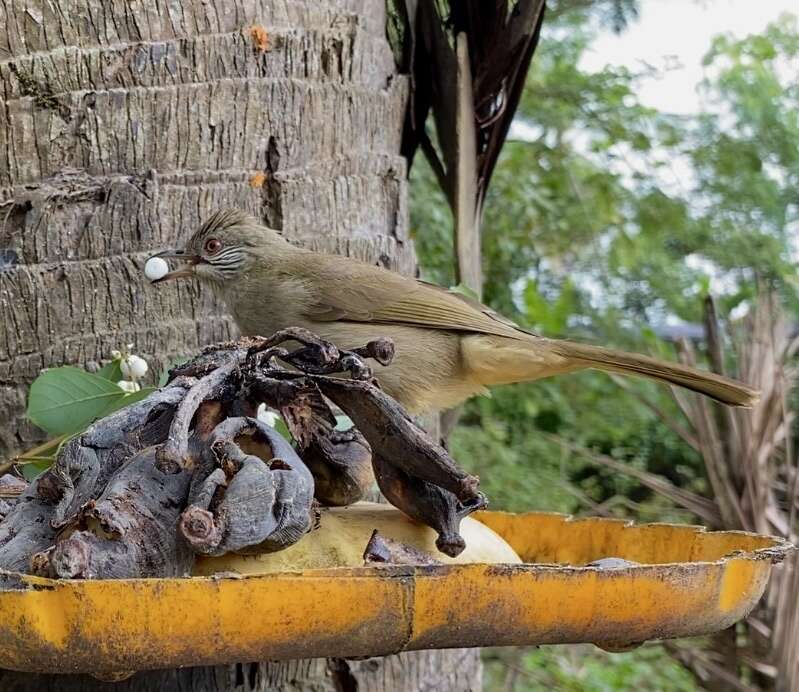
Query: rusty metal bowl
(687, 582)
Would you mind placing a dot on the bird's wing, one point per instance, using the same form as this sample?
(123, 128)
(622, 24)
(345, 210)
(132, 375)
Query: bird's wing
(343, 290)
(475, 305)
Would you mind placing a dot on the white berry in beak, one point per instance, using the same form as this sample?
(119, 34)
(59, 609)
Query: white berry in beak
(156, 268)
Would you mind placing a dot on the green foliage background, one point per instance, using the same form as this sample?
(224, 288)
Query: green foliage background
(609, 221)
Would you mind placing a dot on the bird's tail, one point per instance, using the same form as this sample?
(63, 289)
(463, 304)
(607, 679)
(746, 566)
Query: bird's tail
(720, 388)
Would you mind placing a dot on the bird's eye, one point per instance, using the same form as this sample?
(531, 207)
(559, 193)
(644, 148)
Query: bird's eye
(212, 246)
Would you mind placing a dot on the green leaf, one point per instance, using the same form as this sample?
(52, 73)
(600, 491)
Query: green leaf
(48, 449)
(112, 371)
(278, 424)
(32, 470)
(65, 400)
(281, 427)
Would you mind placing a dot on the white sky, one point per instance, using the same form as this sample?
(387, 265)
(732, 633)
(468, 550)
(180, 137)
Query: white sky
(670, 32)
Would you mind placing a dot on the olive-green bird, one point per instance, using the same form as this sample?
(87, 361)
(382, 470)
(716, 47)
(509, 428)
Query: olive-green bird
(448, 347)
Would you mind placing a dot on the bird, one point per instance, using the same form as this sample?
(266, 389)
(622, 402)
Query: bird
(448, 347)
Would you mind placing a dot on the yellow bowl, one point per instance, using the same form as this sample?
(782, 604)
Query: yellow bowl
(688, 582)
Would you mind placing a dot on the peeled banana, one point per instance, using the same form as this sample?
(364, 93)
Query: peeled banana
(342, 536)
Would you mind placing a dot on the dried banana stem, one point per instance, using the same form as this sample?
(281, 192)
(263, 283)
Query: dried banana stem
(257, 499)
(427, 503)
(394, 436)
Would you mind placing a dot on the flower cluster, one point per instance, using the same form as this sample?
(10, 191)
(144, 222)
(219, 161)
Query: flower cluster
(133, 369)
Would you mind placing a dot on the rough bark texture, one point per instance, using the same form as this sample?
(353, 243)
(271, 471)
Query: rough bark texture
(122, 125)
(427, 671)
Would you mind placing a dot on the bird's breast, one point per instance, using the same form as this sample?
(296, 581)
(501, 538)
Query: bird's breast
(262, 307)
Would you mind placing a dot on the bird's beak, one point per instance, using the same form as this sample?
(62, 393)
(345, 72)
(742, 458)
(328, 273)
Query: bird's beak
(184, 270)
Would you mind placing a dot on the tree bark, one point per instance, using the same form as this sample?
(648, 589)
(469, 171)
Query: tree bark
(122, 126)
(433, 671)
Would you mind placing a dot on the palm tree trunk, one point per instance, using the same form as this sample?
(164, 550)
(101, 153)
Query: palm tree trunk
(443, 671)
(122, 125)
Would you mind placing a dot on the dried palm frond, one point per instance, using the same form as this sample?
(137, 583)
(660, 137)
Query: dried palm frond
(468, 60)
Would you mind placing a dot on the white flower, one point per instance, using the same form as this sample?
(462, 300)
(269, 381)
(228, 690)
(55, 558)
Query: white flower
(128, 386)
(133, 367)
(116, 355)
(266, 415)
